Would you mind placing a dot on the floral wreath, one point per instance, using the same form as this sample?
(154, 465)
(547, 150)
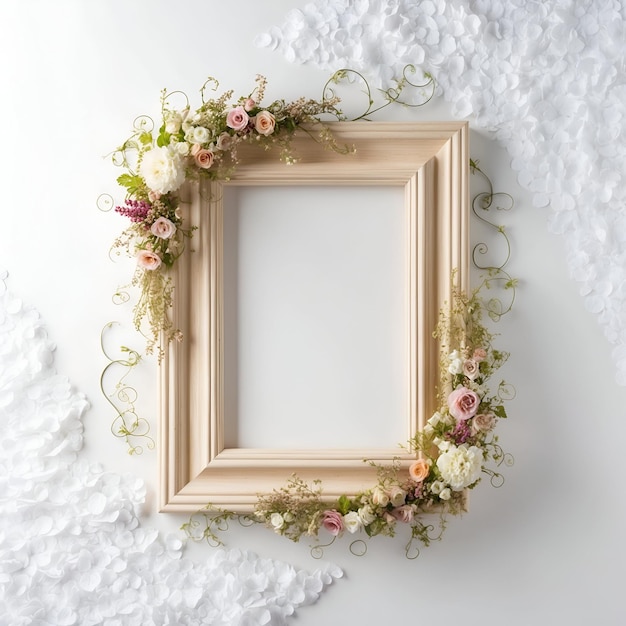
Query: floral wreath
(458, 444)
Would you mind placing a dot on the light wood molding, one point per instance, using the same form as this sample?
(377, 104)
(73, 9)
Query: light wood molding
(431, 162)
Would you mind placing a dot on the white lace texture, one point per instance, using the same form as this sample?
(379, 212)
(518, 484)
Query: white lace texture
(72, 547)
(547, 77)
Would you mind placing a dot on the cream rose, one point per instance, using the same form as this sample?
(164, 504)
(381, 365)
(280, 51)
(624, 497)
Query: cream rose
(162, 169)
(460, 466)
(264, 123)
(397, 495)
(470, 368)
(484, 422)
(148, 260)
(163, 228)
(419, 470)
(463, 403)
(203, 158)
(379, 496)
(237, 118)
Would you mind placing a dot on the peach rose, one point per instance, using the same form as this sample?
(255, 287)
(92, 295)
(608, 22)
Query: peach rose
(204, 159)
(463, 403)
(264, 123)
(148, 260)
(419, 470)
(237, 118)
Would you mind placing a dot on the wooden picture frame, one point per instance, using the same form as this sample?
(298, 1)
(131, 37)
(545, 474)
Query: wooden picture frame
(431, 163)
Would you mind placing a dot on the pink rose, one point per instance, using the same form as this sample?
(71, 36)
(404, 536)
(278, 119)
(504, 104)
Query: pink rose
(163, 228)
(419, 470)
(148, 260)
(463, 403)
(204, 159)
(237, 118)
(195, 148)
(404, 513)
(249, 104)
(332, 521)
(264, 123)
(480, 354)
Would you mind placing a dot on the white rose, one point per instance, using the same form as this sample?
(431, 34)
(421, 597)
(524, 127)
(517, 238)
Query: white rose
(182, 147)
(352, 522)
(277, 521)
(460, 466)
(367, 515)
(163, 170)
(200, 134)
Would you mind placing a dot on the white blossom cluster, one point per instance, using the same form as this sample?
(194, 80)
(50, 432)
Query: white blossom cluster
(546, 77)
(73, 550)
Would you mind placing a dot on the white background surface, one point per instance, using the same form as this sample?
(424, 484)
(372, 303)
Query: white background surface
(546, 548)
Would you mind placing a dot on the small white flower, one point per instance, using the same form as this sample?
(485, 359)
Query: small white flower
(437, 486)
(456, 367)
(435, 419)
(445, 494)
(366, 515)
(352, 522)
(277, 521)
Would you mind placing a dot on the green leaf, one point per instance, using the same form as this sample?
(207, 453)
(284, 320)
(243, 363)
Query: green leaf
(132, 182)
(344, 505)
(145, 138)
(499, 411)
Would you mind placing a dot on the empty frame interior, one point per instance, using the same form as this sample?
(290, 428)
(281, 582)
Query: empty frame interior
(429, 164)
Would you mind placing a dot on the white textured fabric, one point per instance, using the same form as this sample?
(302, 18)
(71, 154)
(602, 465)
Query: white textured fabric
(548, 77)
(72, 548)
